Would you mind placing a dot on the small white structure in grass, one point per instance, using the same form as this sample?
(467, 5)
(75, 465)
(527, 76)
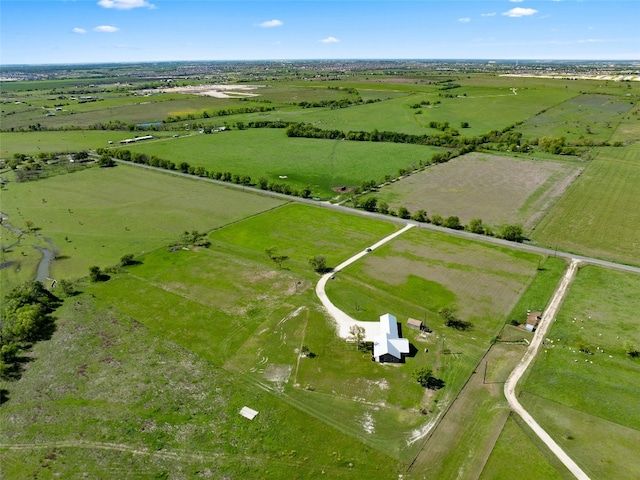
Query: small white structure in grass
(247, 412)
(388, 346)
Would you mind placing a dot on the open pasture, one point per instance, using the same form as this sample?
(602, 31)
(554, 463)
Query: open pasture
(583, 383)
(95, 216)
(599, 214)
(299, 162)
(484, 108)
(128, 402)
(233, 306)
(497, 189)
(585, 117)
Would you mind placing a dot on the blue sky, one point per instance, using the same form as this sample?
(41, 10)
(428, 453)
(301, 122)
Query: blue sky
(93, 31)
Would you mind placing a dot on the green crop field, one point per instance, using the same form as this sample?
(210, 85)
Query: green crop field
(497, 189)
(584, 383)
(597, 215)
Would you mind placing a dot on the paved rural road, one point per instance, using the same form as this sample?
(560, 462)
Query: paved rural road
(510, 386)
(344, 321)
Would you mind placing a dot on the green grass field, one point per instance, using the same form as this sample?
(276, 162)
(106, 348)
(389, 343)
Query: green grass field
(515, 455)
(578, 395)
(129, 402)
(597, 216)
(97, 215)
(594, 117)
(269, 153)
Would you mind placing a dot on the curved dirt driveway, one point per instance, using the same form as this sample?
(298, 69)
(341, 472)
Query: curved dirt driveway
(510, 385)
(344, 321)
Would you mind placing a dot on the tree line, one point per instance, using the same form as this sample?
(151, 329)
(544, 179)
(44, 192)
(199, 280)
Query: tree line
(25, 319)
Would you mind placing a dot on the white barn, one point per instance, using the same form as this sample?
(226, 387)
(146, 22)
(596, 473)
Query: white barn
(388, 346)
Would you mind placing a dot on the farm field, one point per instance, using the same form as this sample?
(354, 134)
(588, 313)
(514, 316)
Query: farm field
(585, 116)
(597, 216)
(498, 189)
(95, 216)
(299, 162)
(574, 393)
(151, 362)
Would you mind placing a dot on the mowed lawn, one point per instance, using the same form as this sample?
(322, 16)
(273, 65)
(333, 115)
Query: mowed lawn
(497, 189)
(299, 162)
(95, 216)
(599, 215)
(580, 396)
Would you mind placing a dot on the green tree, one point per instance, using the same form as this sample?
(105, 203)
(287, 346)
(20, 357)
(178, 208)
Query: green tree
(370, 204)
(105, 160)
(95, 275)
(424, 376)
(319, 263)
(383, 207)
(404, 213)
(420, 216)
(452, 222)
(437, 219)
(450, 317)
(126, 260)
(476, 226)
(513, 233)
(356, 335)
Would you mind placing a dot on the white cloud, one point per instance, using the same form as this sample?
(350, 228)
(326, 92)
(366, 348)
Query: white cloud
(464, 20)
(492, 14)
(106, 29)
(520, 12)
(516, 1)
(330, 40)
(79, 30)
(270, 23)
(125, 4)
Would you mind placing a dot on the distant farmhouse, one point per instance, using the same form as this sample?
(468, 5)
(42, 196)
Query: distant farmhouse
(388, 346)
(532, 321)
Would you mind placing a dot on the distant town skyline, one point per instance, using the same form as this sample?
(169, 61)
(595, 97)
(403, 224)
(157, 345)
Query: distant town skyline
(105, 31)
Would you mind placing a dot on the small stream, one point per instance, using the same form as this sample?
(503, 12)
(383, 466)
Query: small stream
(48, 254)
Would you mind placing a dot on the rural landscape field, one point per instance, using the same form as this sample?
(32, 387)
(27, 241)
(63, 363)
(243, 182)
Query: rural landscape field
(181, 248)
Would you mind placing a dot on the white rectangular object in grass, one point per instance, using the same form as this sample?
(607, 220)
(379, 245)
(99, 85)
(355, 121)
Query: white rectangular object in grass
(249, 413)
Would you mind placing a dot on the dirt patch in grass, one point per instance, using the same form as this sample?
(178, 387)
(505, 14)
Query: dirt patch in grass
(277, 373)
(495, 188)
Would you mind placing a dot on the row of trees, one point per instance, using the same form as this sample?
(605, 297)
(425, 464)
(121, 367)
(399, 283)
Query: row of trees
(223, 112)
(509, 232)
(449, 138)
